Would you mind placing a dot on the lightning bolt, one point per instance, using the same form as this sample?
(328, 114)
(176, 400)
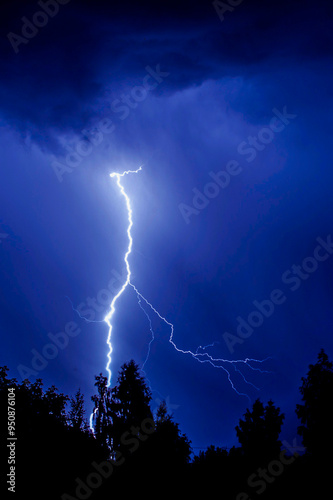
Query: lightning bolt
(201, 355)
(108, 317)
(204, 357)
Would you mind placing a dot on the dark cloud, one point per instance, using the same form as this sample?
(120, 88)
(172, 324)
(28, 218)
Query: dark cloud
(59, 77)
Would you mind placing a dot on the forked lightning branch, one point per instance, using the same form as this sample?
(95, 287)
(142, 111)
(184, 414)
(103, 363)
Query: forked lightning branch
(201, 355)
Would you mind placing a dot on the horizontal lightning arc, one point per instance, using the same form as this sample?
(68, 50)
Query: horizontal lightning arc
(204, 357)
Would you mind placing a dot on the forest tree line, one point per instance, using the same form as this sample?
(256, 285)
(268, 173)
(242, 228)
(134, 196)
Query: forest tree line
(132, 450)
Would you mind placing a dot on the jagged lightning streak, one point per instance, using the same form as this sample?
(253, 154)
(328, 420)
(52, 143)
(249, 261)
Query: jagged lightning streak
(108, 317)
(201, 357)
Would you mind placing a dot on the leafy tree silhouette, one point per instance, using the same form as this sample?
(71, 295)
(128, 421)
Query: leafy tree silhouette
(49, 452)
(259, 432)
(76, 414)
(4, 380)
(315, 413)
(101, 413)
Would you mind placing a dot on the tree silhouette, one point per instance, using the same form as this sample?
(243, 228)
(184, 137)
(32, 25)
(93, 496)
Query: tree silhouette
(49, 453)
(165, 454)
(315, 413)
(173, 446)
(131, 453)
(101, 413)
(4, 380)
(76, 414)
(259, 432)
(129, 404)
(211, 457)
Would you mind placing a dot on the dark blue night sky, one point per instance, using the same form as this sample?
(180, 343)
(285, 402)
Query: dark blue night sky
(230, 115)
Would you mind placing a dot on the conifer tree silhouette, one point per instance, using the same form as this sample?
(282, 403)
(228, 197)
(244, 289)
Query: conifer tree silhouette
(259, 432)
(129, 404)
(315, 413)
